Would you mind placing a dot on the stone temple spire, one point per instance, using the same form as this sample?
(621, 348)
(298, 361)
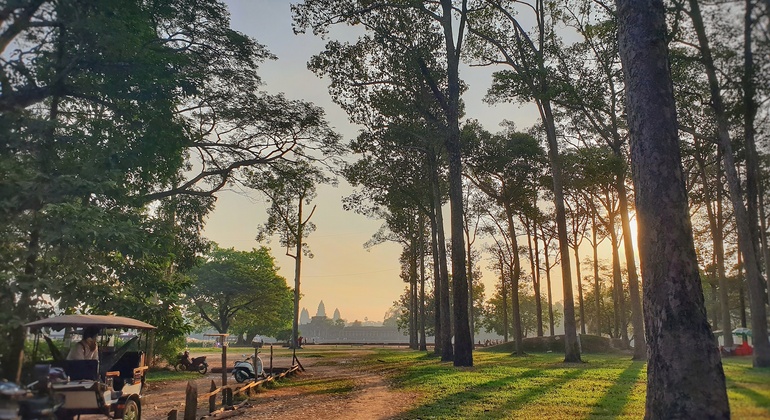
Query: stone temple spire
(337, 315)
(304, 317)
(321, 309)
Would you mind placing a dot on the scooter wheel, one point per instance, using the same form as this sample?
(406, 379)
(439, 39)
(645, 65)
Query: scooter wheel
(202, 369)
(180, 367)
(240, 376)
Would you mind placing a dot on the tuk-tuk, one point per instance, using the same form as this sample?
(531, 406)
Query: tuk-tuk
(111, 385)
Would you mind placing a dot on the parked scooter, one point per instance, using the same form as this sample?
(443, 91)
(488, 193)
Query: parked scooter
(245, 369)
(198, 364)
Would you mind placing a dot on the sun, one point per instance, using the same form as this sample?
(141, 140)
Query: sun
(634, 236)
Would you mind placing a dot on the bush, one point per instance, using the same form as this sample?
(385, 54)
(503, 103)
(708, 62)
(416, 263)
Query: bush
(588, 343)
(169, 349)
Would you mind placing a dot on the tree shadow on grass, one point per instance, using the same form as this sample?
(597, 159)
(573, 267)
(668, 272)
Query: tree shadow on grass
(617, 396)
(758, 399)
(532, 393)
(449, 405)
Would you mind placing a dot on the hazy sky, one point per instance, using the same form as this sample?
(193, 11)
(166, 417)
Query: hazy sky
(361, 283)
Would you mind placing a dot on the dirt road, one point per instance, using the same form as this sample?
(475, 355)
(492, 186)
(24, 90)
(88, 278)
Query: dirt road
(329, 388)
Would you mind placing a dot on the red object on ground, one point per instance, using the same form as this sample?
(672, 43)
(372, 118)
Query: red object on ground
(744, 350)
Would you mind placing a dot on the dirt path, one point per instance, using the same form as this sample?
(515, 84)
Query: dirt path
(369, 398)
(328, 389)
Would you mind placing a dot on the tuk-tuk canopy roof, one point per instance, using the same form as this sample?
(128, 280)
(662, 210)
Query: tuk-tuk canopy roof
(100, 321)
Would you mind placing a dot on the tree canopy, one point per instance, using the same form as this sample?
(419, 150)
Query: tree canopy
(241, 289)
(120, 122)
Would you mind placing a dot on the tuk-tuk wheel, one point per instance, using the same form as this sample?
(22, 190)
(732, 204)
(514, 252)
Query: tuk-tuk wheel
(131, 411)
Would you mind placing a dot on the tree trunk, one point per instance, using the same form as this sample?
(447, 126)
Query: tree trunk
(438, 333)
(548, 284)
(749, 115)
(597, 286)
(443, 312)
(413, 293)
(715, 322)
(744, 223)
(621, 324)
(535, 266)
(580, 290)
(637, 318)
(518, 335)
(25, 309)
(471, 324)
(756, 208)
(504, 293)
(571, 350)
(763, 236)
(716, 225)
(24, 306)
(724, 297)
(742, 291)
(463, 346)
(297, 267)
(684, 369)
(423, 338)
(742, 302)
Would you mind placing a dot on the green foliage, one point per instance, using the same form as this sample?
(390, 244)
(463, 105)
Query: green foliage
(98, 215)
(288, 187)
(712, 300)
(399, 312)
(607, 312)
(241, 289)
(283, 335)
(493, 311)
(507, 167)
(547, 344)
(167, 348)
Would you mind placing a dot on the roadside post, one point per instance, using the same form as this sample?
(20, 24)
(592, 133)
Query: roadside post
(223, 341)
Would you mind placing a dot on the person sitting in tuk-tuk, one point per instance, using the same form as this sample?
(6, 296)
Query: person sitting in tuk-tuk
(86, 349)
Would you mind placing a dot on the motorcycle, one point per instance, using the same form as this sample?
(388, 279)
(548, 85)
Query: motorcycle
(185, 363)
(245, 369)
(34, 401)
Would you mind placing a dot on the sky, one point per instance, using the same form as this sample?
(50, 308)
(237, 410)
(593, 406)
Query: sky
(362, 283)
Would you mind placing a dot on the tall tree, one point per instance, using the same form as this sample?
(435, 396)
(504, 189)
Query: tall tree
(87, 90)
(579, 214)
(745, 219)
(534, 262)
(398, 23)
(684, 374)
(472, 215)
(230, 285)
(596, 68)
(289, 188)
(501, 39)
(547, 236)
(507, 169)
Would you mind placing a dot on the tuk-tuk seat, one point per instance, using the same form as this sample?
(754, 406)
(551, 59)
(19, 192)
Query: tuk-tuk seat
(128, 363)
(80, 369)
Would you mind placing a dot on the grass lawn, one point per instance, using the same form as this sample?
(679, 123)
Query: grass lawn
(540, 386)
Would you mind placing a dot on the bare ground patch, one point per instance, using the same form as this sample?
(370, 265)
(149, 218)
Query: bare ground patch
(330, 388)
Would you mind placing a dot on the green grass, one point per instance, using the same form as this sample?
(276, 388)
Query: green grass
(170, 375)
(500, 386)
(278, 351)
(320, 386)
(537, 386)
